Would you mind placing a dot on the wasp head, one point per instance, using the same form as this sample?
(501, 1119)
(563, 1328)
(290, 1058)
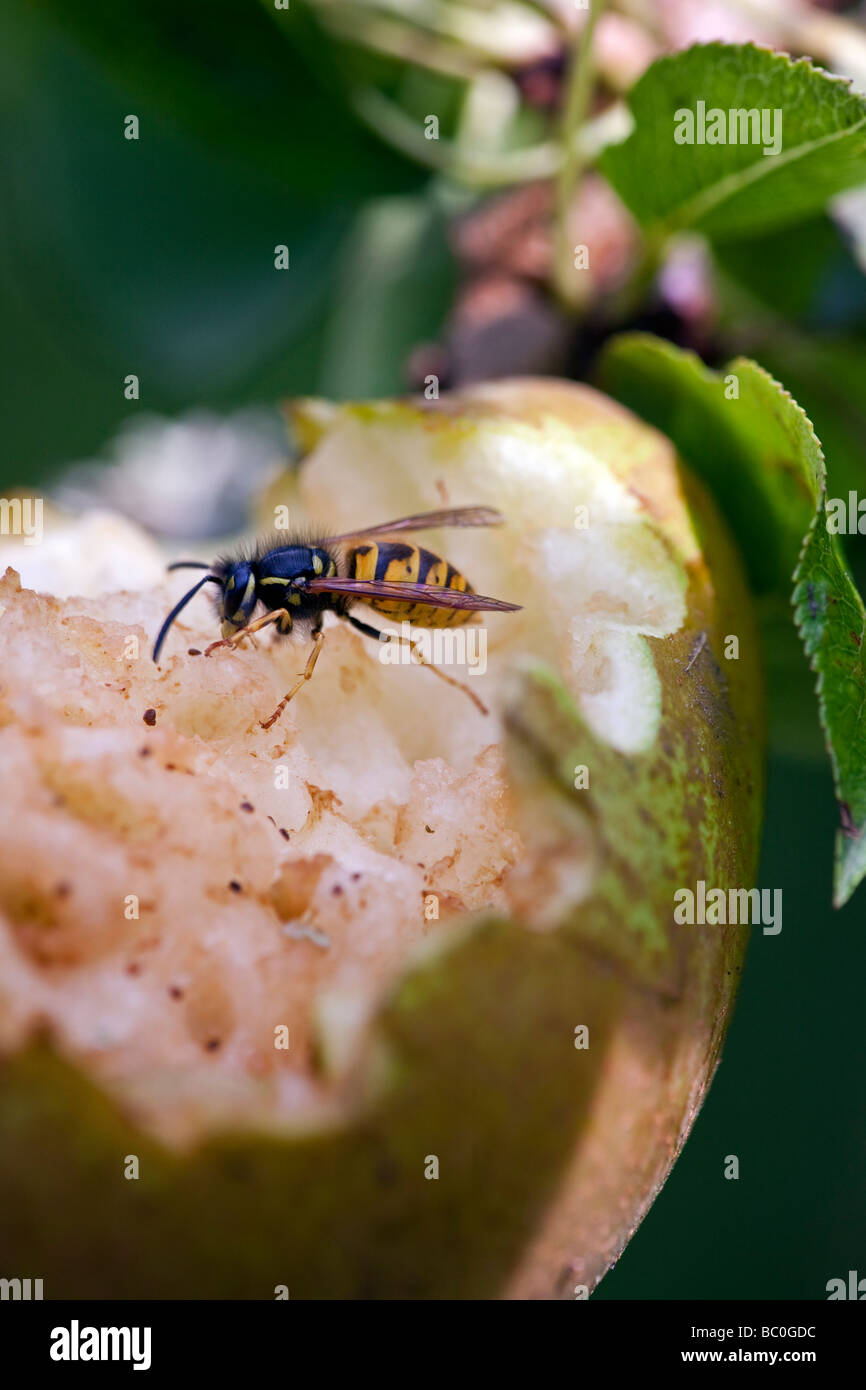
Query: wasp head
(238, 598)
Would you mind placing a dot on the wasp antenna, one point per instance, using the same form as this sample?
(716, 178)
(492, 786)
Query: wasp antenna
(178, 608)
(188, 565)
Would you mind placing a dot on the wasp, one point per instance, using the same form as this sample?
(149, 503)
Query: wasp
(298, 583)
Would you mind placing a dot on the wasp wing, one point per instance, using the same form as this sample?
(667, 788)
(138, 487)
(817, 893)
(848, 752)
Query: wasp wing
(405, 591)
(422, 521)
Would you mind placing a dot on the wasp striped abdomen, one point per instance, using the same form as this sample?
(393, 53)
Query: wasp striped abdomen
(396, 561)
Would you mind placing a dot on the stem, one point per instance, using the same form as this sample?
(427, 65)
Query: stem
(574, 158)
(629, 298)
(480, 171)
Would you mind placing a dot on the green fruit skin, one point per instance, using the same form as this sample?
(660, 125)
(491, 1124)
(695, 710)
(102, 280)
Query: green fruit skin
(548, 1156)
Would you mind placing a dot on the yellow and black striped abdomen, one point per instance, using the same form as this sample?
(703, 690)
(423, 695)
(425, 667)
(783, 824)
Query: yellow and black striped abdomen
(395, 560)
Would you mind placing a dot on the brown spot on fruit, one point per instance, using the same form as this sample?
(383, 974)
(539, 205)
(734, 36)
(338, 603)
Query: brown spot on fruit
(293, 892)
(322, 799)
(209, 1012)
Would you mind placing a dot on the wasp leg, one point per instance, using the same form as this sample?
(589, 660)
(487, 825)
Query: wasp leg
(306, 674)
(370, 631)
(278, 615)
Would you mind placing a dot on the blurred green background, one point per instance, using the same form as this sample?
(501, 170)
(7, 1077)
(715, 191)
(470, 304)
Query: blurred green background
(155, 257)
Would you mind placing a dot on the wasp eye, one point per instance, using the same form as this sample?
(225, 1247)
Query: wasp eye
(238, 596)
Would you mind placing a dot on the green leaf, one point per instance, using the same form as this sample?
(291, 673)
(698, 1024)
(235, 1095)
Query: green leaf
(750, 450)
(796, 300)
(832, 622)
(734, 189)
(758, 452)
(805, 272)
(826, 374)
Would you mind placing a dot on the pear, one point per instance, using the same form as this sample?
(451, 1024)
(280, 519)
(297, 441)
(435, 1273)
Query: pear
(391, 999)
